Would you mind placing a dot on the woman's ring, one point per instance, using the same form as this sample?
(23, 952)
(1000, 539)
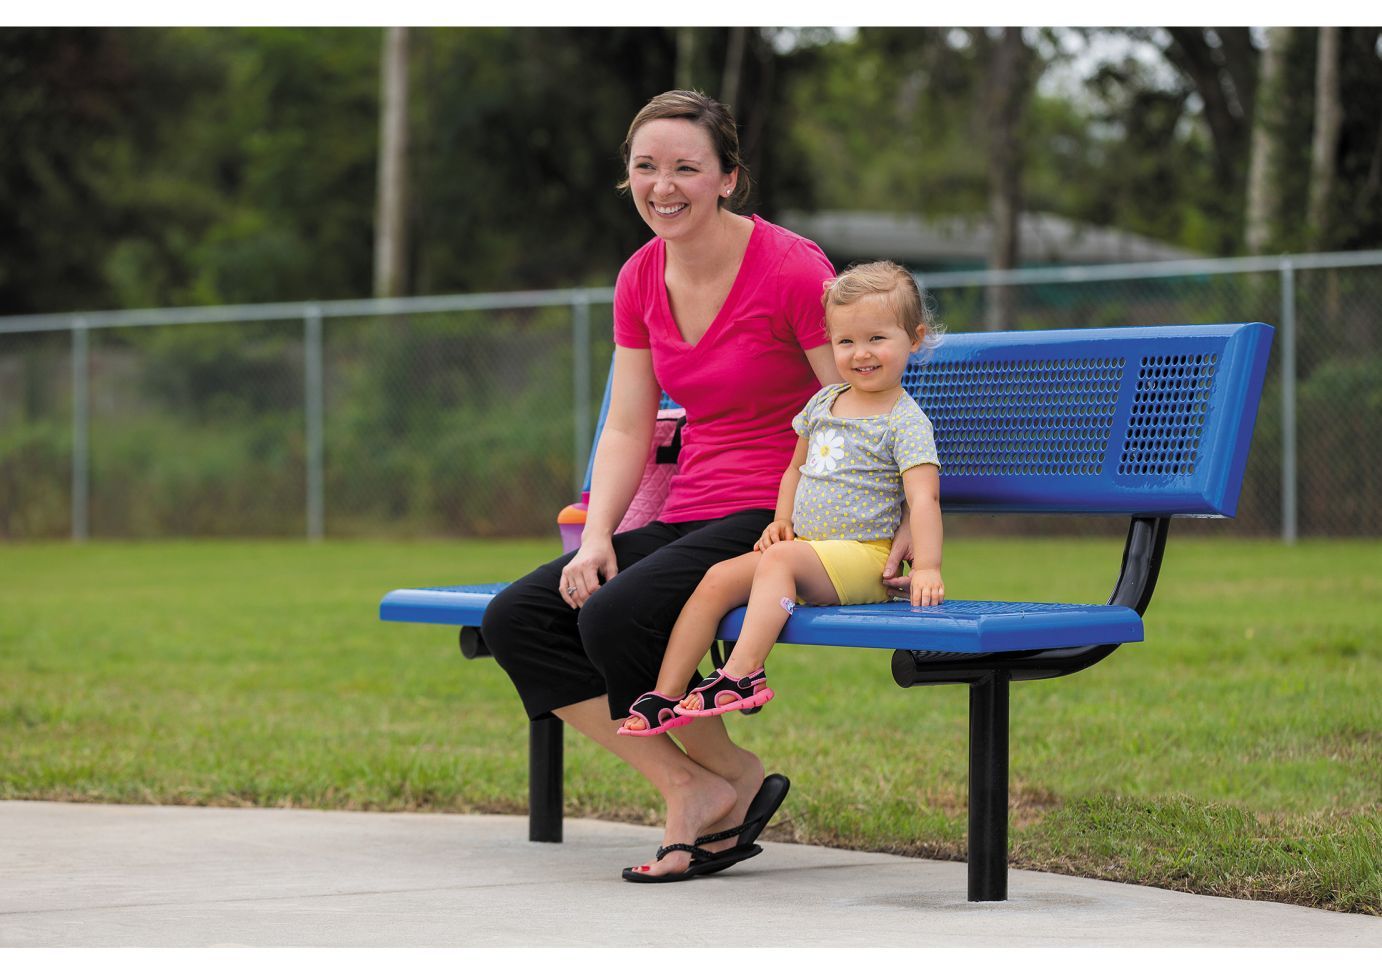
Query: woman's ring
(570, 590)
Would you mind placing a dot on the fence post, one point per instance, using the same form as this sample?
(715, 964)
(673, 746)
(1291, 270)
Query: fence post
(81, 429)
(312, 397)
(1288, 402)
(580, 388)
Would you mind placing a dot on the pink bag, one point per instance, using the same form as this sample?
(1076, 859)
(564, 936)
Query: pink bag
(657, 476)
(652, 490)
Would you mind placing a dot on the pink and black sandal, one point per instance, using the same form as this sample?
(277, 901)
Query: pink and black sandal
(657, 713)
(722, 693)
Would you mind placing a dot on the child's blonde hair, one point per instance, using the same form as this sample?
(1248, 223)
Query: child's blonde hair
(914, 311)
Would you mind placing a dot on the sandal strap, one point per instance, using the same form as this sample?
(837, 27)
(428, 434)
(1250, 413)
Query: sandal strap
(731, 832)
(697, 853)
(650, 706)
(718, 681)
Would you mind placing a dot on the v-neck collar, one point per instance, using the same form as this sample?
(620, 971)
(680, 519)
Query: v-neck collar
(718, 322)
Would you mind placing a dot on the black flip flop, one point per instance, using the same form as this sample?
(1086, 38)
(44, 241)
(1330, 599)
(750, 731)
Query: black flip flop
(765, 803)
(702, 862)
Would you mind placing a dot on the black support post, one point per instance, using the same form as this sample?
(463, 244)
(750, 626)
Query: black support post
(544, 780)
(988, 788)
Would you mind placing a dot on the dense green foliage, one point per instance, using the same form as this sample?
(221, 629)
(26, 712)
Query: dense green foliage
(893, 121)
(1235, 752)
(186, 166)
(150, 167)
(203, 166)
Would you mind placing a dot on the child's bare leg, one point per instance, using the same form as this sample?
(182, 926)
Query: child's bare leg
(787, 569)
(726, 585)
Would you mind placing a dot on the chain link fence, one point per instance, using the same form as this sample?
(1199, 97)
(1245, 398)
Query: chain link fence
(472, 415)
(456, 416)
(1324, 377)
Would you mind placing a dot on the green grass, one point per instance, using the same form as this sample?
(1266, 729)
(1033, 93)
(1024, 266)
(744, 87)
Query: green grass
(1237, 752)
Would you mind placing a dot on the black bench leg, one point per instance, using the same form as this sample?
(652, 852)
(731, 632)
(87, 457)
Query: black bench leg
(544, 780)
(988, 788)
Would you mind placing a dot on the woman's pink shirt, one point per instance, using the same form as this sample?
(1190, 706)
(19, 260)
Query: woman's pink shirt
(747, 377)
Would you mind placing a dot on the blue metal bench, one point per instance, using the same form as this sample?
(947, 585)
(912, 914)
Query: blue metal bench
(1145, 422)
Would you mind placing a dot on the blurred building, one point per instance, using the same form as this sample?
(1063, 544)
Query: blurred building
(962, 243)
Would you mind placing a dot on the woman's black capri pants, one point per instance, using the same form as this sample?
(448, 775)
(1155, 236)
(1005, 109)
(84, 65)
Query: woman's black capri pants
(557, 656)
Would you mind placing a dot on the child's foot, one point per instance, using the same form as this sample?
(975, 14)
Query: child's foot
(723, 692)
(652, 714)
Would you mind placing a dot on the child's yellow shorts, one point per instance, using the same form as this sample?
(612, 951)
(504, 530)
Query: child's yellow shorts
(856, 568)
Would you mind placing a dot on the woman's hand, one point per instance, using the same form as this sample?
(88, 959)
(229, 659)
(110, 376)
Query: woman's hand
(593, 565)
(893, 578)
(927, 588)
(777, 531)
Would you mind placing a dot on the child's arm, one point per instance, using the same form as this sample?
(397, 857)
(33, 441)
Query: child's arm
(922, 485)
(781, 528)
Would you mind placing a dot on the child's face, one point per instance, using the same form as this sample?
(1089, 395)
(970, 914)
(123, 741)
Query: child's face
(870, 348)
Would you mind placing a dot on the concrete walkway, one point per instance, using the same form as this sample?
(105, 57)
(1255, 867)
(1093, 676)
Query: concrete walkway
(89, 875)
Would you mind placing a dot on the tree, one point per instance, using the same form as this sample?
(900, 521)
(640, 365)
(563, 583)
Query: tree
(91, 213)
(390, 230)
(1221, 63)
(202, 166)
(1356, 207)
(1264, 201)
(519, 154)
(912, 145)
(685, 73)
(734, 66)
(1329, 117)
(1006, 92)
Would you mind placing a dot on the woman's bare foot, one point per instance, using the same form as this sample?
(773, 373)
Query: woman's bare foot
(693, 807)
(746, 782)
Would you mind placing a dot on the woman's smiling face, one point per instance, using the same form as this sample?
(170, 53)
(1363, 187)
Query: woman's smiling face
(675, 177)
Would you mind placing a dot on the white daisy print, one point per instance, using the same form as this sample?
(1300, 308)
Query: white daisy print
(827, 447)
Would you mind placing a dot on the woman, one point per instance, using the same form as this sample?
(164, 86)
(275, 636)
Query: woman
(724, 313)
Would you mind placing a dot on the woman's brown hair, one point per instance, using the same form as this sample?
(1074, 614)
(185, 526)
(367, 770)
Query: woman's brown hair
(699, 109)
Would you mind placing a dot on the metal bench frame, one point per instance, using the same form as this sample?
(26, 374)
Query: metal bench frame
(1212, 492)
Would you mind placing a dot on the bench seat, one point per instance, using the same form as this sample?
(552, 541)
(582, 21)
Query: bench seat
(957, 626)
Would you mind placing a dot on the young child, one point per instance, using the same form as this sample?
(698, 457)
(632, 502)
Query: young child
(864, 444)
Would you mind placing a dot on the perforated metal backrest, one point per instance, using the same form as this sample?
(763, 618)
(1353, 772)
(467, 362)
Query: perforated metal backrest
(1138, 421)
(1150, 421)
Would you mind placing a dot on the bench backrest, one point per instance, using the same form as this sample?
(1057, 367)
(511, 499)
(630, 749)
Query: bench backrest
(1138, 420)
